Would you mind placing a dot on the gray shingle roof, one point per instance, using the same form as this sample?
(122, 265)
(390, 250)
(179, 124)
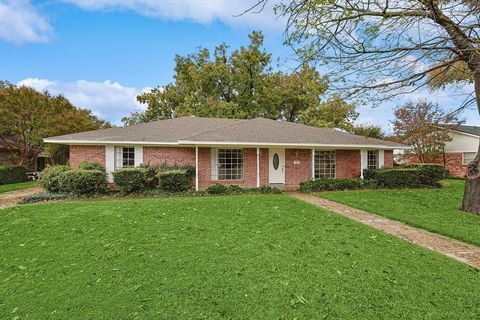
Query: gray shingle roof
(469, 129)
(195, 130)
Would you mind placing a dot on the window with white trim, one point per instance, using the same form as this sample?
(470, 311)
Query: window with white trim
(325, 164)
(372, 159)
(124, 157)
(468, 157)
(227, 164)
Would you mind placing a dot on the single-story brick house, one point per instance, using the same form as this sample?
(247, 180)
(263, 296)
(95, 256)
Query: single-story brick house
(459, 151)
(248, 153)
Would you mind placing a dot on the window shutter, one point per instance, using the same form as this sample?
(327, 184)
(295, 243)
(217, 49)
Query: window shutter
(109, 162)
(381, 158)
(138, 156)
(214, 161)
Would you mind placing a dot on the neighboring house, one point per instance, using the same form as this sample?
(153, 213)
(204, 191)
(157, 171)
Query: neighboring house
(248, 153)
(37, 164)
(458, 152)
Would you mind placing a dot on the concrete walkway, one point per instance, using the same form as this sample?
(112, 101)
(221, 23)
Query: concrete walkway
(8, 199)
(464, 252)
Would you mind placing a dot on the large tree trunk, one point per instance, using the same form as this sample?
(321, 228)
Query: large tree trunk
(471, 195)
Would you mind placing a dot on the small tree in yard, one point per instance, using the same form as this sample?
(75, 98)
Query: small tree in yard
(389, 47)
(424, 126)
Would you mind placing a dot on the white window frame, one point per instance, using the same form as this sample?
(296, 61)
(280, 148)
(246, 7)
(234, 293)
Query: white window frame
(377, 159)
(216, 164)
(332, 170)
(463, 157)
(119, 157)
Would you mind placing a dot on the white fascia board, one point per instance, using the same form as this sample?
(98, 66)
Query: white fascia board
(216, 144)
(117, 143)
(460, 132)
(291, 145)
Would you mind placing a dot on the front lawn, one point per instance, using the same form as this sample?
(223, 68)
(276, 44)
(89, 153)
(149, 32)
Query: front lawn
(435, 210)
(17, 186)
(231, 257)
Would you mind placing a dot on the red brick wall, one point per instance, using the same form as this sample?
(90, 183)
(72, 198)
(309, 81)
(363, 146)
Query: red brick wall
(78, 154)
(388, 158)
(348, 163)
(249, 168)
(297, 173)
(453, 162)
(173, 156)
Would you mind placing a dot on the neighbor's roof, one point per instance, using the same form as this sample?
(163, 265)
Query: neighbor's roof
(468, 129)
(210, 131)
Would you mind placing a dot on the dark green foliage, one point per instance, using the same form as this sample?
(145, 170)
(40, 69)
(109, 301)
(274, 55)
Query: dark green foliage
(131, 179)
(430, 172)
(219, 188)
(82, 182)
(175, 180)
(154, 172)
(415, 175)
(319, 185)
(268, 189)
(10, 173)
(49, 177)
(90, 165)
(45, 196)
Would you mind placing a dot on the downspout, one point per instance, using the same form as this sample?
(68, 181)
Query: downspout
(196, 168)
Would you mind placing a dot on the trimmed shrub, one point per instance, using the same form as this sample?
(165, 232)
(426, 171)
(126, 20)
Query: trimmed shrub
(49, 177)
(45, 196)
(10, 173)
(234, 189)
(430, 173)
(269, 189)
(397, 178)
(154, 171)
(217, 188)
(327, 184)
(82, 182)
(90, 165)
(415, 175)
(174, 181)
(131, 179)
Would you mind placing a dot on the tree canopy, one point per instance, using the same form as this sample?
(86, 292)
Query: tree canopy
(424, 126)
(29, 116)
(242, 84)
(377, 49)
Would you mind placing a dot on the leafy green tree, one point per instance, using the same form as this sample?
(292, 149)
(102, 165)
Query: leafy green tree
(370, 131)
(240, 84)
(29, 116)
(334, 113)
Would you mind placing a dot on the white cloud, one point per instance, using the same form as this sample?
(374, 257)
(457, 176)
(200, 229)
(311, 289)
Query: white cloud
(201, 11)
(20, 22)
(108, 100)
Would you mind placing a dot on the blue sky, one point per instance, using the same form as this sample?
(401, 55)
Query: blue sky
(101, 53)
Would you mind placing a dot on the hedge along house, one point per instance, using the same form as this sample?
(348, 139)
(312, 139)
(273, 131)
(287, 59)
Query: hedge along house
(248, 153)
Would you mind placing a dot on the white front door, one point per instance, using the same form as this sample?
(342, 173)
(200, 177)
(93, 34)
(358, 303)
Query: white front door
(276, 167)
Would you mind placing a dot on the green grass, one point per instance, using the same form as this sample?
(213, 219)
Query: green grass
(17, 186)
(231, 257)
(435, 210)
